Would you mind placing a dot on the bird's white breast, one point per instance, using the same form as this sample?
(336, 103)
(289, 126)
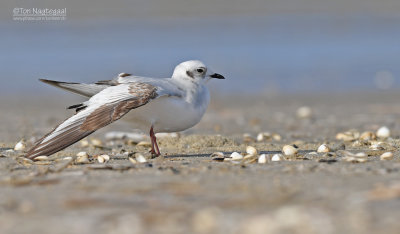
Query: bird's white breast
(169, 113)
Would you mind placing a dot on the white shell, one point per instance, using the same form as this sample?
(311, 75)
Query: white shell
(276, 137)
(100, 159)
(277, 157)
(262, 159)
(96, 142)
(367, 136)
(304, 112)
(323, 149)
(82, 159)
(82, 154)
(41, 158)
(84, 143)
(20, 145)
(140, 158)
(236, 156)
(386, 156)
(106, 157)
(383, 132)
(251, 150)
(289, 150)
(144, 144)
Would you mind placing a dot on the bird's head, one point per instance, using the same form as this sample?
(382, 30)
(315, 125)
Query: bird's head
(194, 71)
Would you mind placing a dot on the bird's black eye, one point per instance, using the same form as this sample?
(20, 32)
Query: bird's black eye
(200, 70)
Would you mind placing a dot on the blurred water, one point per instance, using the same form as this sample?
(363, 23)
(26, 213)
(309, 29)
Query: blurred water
(288, 53)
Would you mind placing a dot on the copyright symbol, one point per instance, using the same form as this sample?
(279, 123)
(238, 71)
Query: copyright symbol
(16, 10)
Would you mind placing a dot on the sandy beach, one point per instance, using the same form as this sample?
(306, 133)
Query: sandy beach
(189, 191)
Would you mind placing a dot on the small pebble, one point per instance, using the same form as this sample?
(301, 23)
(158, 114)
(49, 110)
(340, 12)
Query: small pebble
(383, 132)
(21, 145)
(251, 150)
(304, 112)
(83, 159)
(140, 158)
(289, 150)
(236, 156)
(387, 156)
(277, 157)
(323, 148)
(262, 159)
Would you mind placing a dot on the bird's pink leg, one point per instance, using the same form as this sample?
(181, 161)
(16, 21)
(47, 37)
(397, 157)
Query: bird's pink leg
(153, 138)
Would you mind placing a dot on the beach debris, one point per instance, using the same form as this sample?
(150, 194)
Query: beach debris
(234, 156)
(251, 150)
(304, 112)
(386, 156)
(367, 136)
(289, 150)
(350, 135)
(377, 146)
(277, 157)
(262, 159)
(218, 156)
(82, 154)
(383, 132)
(20, 146)
(356, 158)
(144, 144)
(263, 136)
(247, 138)
(324, 148)
(41, 158)
(276, 137)
(103, 158)
(96, 142)
(82, 159)
(138, 158)
(84, 143)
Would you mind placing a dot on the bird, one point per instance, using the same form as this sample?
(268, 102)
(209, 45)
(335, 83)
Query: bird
(151, 104)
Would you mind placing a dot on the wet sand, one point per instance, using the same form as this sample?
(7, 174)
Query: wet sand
(187, 191)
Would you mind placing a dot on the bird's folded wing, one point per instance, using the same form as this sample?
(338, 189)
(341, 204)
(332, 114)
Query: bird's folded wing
(102, 109)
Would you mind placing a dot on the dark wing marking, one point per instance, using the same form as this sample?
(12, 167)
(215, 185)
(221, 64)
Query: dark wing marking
(92, 118)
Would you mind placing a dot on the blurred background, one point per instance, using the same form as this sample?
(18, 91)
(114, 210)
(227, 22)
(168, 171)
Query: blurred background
(261, 46)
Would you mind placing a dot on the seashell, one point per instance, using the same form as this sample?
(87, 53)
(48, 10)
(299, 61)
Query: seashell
(387, 156)
(236, 156)
(361, 155)
(323, 149)
(276, 137)
(132, 160)
(304, 112)
(82, 154)
(67, 158)
(251, 150)
(21, 145)
(377, 146)
(41, 158)
(262, 159)
(106, 157)
(263, 136)
(100, 159)
(83, 159)
(96, 142)
(348, 136)
(367, 136)
(140, 158)
(144, 144)
(84, 143)
(217, 154)
(277, 157)
(248, 138)
(383, 132)
(289, 150)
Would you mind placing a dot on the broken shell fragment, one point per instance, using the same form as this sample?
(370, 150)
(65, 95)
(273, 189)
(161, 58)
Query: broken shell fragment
(140, 158)
(103, 158)
(96, 142)
(84, 143)
(251, 150)
(387, 156)
(367, 136)
(41, 158)
(323, 149)
(83, 159)
(262, 159)
(350, 135)
(144, 144)
(289, 150)
(277, 157)
(82, 154)
(21, 145)
(236, 156)
(383, 132)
